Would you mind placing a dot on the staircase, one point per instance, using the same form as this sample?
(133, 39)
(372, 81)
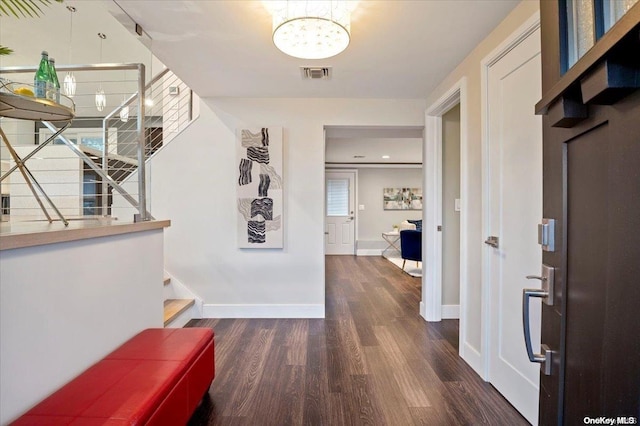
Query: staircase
(177, 312)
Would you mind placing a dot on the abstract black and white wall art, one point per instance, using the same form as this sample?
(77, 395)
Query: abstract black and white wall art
(259, 188)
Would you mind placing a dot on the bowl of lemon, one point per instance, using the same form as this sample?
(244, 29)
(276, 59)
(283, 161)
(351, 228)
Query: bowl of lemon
(24, 91)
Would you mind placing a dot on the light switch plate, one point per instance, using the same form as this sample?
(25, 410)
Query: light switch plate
(361, 207)
(456, 204)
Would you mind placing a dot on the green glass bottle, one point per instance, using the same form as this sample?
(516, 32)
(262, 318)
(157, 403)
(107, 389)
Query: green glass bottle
(42, 79)
(55, 84)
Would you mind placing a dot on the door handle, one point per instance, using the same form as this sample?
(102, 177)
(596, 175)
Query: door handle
(492, 241)
(546, 294)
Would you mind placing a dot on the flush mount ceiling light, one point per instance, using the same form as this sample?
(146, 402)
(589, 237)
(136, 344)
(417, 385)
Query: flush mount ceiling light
(311, 29)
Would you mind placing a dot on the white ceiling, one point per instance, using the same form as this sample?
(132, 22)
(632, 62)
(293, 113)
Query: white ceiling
(223, 48)
(368, 145)
(399, 151)
(399, 49)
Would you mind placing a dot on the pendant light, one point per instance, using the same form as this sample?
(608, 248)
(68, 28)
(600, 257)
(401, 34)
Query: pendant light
(69, 84)
(124, 111)
(101, 98)
(148, 99)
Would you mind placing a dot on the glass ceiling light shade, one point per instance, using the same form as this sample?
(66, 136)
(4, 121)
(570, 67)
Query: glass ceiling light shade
(124, 114)
(69, 84)
(311, 29)
(101, 99)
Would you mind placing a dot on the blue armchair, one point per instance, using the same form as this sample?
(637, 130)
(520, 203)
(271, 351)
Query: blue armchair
(410, 246)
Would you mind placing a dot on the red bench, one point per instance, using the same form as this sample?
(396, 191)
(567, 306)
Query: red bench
(156, 378)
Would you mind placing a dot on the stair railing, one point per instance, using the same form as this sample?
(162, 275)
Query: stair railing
(141, 203)
(168, 111)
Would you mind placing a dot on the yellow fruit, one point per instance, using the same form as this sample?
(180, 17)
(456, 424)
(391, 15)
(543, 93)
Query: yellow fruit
(24, 91)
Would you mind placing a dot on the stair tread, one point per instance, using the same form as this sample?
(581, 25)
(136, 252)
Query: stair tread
(167, 280)
(174, 307)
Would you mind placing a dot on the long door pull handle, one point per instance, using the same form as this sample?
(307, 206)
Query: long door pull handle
(527, 293)
(545, 293)
(543, 358)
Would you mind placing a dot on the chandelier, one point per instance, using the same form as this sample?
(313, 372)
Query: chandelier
(311, 29)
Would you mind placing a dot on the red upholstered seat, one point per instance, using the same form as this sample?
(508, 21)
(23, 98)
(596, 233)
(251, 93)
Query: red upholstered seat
(157, 377)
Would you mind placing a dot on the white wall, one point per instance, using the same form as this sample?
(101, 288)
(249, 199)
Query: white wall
(175, 107)
(64, 306)
(470, 69)
(4, 167)
(59, 172)
(374, 220)
(19, 132)
(450, 217)
(193, 183)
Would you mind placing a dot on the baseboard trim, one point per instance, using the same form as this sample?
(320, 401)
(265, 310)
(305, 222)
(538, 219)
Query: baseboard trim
(423, 310)
(474, 358)
(262, 311)
(369, 252)
(450, 311)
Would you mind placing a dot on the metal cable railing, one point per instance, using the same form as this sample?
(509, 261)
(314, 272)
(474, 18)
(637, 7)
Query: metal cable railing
(73, 169)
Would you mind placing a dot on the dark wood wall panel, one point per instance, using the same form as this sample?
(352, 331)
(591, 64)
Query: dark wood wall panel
(588, 182)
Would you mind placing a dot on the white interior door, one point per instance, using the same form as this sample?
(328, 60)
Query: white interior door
(513, 203)
(339, 215)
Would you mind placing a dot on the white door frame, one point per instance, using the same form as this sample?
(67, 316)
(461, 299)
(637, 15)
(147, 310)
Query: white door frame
(431, 304)
(519, 35)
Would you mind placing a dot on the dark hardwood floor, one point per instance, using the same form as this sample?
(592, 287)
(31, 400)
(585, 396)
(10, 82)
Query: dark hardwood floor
(373, 360)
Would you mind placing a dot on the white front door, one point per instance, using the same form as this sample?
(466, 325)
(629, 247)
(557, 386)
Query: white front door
(513, 208)
(339, 211)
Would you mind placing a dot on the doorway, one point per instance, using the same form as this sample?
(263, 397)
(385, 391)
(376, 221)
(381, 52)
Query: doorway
(431, 307)
(451, 213)
(385, 159)
(340, 191)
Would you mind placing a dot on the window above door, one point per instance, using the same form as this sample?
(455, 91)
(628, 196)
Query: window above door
(585, 22)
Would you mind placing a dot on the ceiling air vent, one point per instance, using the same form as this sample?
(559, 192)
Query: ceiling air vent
(316, 73)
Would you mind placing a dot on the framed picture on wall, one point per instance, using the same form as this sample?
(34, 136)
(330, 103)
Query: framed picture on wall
(402, 198)
(260, 188)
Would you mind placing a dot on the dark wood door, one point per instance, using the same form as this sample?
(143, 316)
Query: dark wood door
(591, 186)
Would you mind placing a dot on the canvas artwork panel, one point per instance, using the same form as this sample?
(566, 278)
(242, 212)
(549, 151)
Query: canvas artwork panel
(402, 198)
(260, 188)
